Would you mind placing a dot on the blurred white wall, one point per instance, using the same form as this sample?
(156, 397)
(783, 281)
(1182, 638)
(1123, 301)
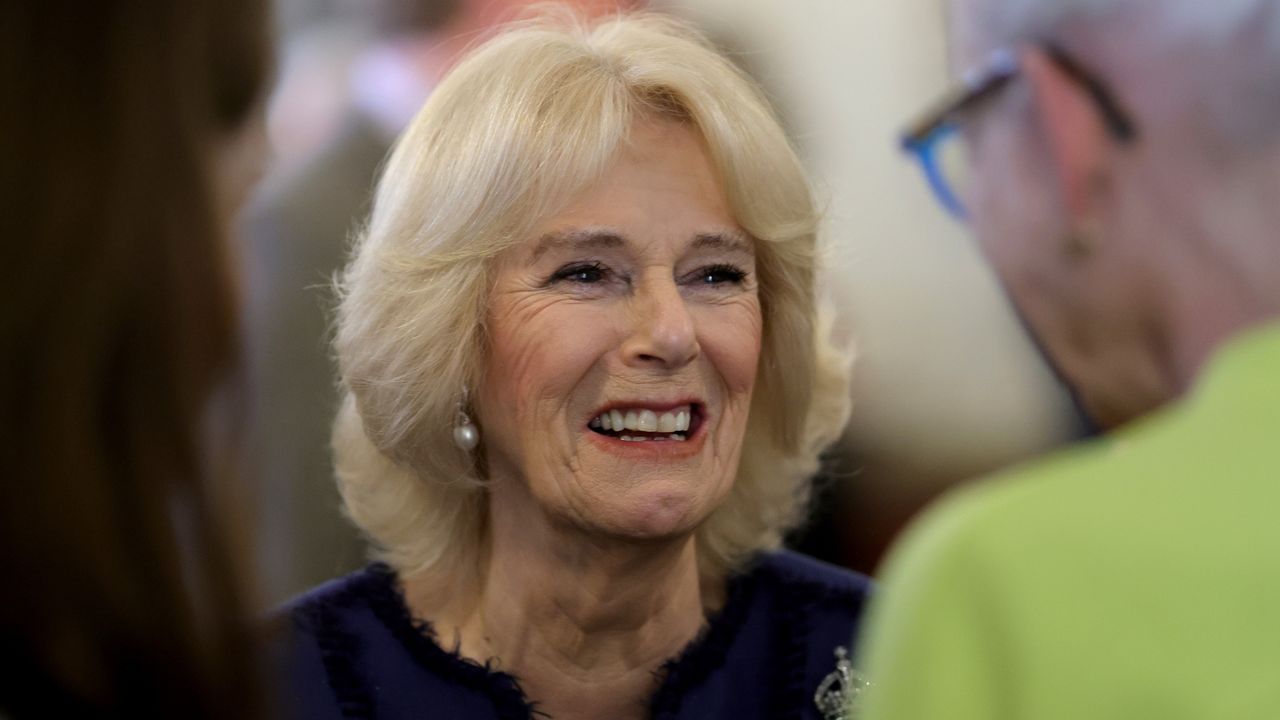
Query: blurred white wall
(947, 385)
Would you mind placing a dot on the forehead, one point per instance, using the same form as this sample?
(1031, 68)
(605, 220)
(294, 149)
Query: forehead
(660, 185)
(660, 161)
(598, 238)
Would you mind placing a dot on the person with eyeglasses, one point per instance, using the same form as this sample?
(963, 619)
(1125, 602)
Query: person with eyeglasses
(1119, 163)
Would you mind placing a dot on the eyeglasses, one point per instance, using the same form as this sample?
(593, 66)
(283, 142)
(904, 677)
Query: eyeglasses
(933, 140)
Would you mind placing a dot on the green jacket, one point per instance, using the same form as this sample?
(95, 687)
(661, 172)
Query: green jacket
(1133, 577)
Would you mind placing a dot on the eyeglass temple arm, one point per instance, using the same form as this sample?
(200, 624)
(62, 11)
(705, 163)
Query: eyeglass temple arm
(1118, 122)
(996, 74)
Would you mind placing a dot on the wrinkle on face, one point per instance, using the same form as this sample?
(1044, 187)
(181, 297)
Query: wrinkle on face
(662, 321)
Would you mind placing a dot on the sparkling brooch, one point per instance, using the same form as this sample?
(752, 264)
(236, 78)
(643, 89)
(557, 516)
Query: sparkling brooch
(837, 694)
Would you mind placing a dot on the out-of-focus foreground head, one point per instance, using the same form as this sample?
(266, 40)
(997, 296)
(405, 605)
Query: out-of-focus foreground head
(123, 136)
(514, 134)
(1130, 258)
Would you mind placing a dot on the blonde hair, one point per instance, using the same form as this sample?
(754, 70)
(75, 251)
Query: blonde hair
(518, 128)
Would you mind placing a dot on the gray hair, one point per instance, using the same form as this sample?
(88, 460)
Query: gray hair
(1213, 64)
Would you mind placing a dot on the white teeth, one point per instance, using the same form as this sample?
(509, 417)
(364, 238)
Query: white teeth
(646, 421)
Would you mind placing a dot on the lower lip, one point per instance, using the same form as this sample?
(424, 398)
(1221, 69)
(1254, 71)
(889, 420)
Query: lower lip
(651, 449)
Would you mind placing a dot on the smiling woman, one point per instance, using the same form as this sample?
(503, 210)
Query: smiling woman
(586, 390)
(654, 318)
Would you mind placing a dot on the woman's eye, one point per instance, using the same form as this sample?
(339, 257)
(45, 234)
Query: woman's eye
(721, 275)
(584, 274)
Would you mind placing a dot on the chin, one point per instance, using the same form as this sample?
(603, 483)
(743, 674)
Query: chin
(659, 515)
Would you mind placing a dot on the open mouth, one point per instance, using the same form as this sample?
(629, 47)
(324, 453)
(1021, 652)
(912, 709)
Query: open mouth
(675, 424)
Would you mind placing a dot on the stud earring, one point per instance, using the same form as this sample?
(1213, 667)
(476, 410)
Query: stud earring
(465, 434)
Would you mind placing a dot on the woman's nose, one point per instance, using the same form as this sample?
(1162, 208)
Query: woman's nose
(662, 333)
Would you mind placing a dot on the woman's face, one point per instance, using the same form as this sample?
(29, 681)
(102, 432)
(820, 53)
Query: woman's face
(624, 337)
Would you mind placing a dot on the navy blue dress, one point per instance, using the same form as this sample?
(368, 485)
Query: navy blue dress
(352, 650)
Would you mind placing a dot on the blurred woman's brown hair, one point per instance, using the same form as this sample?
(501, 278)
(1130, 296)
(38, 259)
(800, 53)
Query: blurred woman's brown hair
(120, 595)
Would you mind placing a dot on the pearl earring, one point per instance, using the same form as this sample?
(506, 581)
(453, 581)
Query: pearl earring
(465, 434)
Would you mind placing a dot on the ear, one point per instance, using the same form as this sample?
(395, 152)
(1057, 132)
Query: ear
(1071, 126)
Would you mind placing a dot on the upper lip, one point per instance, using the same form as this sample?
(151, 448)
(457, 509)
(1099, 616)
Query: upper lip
(658, 406)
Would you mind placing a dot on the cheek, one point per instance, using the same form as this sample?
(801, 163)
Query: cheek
(731, 337)
(537, 353)
(996, 222)
(1020, 246)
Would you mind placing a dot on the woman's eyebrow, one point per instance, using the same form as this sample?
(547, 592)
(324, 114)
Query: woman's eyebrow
(596, 238)
(578, 239)
(724, 240)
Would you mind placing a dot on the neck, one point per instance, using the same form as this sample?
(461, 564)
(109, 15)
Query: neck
(1224, 276)
(1201, 265)
(1202, 318)
(583, 621)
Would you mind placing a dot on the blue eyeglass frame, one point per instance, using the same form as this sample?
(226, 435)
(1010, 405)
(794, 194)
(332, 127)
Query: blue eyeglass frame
(923, 138)
(925, 150)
